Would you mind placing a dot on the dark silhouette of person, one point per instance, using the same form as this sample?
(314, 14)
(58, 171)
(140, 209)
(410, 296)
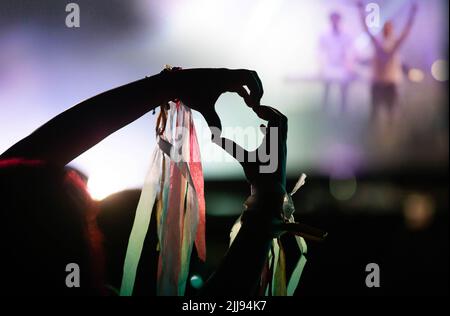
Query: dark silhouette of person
(50, 220)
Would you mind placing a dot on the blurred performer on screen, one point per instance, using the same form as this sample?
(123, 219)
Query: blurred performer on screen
(335, 60)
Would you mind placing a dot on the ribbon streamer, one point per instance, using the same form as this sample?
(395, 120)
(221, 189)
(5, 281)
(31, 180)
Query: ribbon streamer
(174, 186)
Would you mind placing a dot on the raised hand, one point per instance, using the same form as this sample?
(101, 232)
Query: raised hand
(200, 88)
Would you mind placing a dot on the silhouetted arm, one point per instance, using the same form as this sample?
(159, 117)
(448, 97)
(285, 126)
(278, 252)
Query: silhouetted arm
(240, 271)
(74, 131)
(77, 129)
(407, 29)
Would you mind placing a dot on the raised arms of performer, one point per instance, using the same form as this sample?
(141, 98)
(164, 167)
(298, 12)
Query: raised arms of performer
(407, 28)
(403, 35)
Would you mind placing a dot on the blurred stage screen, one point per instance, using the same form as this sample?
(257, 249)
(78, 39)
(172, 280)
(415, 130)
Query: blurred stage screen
(47, 68)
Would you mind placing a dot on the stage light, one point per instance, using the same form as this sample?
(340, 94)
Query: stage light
(100, 186)
(343, 189)
(416, 75)
(439, 70)
(418, 211)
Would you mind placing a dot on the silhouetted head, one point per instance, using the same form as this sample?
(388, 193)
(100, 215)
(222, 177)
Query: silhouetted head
(335, 19)
(48, 222)
(388, 29)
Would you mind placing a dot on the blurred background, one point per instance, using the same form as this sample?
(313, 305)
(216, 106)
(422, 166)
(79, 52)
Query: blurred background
(379, 187)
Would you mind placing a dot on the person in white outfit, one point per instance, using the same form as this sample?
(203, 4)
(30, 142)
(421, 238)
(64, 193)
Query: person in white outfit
(335, 60)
